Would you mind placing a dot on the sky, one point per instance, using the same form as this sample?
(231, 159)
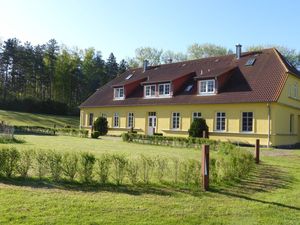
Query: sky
(122, 26)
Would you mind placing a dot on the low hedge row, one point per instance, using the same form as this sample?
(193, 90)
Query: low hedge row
(188, 142)
(50, 131)
(227, 163)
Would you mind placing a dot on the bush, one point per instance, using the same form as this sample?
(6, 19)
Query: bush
(101, 126)
(103, 168)
(133, 171)
(87, 163)
(70, 165)
(148, 164)
(197, 127)
(41, 163)
(25, 162)
(9, 160)
(55, 164)
(95, 134)
(162, 166)
(119, 162)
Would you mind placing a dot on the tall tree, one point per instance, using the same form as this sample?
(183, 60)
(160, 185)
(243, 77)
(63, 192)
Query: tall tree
(111, 67)
(123, 66)
(198, 51)
(174, 56)
(153, 55)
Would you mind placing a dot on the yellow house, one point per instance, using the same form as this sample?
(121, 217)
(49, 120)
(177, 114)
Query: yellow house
(242, 97)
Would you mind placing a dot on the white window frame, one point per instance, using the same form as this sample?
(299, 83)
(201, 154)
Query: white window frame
(116, 120)
(130, 120)
(196, 115)
(176, 125)
(117, 93)
(164, 94)
(246, 117)
(206, 85)
(295, 90)
(91, 119)
(150, 91)
(222, 118)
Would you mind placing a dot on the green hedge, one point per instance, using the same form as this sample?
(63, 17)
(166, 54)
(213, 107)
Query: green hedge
(189, 142)
(50, 131)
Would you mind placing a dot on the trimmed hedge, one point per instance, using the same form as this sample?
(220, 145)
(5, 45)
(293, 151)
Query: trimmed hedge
(189, 142)
(50, 131)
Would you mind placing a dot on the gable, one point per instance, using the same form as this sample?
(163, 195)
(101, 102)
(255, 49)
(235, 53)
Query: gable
(290, 94)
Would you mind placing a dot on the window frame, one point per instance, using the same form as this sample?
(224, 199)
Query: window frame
(206, 92)
(130, 118)
(221, 121)
(193, 115)
(292, 124)
(178, 122)
(91, 119)
(117, 92)
(150, 90)
(247, 117)
(116, 120)
(164, 85)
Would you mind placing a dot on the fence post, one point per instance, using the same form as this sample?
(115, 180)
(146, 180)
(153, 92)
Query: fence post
(204, 134)
(257, 151)
(205, 167)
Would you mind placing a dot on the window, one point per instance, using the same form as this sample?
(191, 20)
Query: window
(91, 119)
(220, 121)
(130, 120)
(247, 121)
(206, 87)
(164, 89)
(188, 88)
(175, 120)
(250, 62)
(196, 115)
(119, 93)
(129, 76)
(150, 91)
(116, 120)
(103, 115)
(291, 123)
(295, 90)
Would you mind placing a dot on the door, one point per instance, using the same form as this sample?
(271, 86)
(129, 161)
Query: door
(151, 123)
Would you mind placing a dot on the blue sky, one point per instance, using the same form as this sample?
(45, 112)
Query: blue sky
(122, 26)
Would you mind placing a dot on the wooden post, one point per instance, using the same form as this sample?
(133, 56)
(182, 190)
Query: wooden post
(205, 167)
(204, 134)
(257, 151)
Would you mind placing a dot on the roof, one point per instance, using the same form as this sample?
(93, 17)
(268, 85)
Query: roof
(261, 82)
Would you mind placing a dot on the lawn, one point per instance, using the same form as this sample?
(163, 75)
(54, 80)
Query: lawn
(30, 119)
(270, 195)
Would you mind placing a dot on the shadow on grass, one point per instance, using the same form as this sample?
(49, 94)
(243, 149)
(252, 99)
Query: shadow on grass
(264, 178)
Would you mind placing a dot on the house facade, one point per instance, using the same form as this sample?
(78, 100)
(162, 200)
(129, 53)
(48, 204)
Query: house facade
(242, 97)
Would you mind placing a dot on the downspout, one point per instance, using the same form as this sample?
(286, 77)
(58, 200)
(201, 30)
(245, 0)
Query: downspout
(269, 124)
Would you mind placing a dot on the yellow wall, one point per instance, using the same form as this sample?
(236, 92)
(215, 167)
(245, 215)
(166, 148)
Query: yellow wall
(164, 114)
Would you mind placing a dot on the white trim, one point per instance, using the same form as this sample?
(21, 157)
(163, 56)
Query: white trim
(117, 91)
(164, 89)
(216, 120)
(206, 92)
(150, 90)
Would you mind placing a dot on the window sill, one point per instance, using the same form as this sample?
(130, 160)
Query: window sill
(118, 99)
(206, 94)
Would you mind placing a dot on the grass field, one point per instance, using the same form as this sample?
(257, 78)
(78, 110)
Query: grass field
(29, 119)
(270, 195)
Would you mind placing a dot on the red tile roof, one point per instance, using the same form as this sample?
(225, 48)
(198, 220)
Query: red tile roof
(261, 82)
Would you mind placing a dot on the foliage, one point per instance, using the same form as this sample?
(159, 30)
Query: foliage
(70, 165)
(119, 162)
(148, 164)
(103, 168)
(41, 163)
(133, 171)
(198, 126)
(55, 164)
(95, 134)
(87, 162)
(8, 161)
(198, 51)
(101, 125)
(25, 162)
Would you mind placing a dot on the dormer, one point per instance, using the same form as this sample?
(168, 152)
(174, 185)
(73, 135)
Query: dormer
(160, 90)
(119, 93)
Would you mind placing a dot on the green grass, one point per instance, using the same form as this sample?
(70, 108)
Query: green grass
(270, 195)
(30, 119)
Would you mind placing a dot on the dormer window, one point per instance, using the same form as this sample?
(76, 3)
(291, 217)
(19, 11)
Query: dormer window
(164, 90)
(150, 91)
(119, 93)
(207, 87)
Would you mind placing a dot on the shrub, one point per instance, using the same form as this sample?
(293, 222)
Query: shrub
(188, 171)
(95, 134)
(25, 162)
(87, 163)
(147, 168)
(9, 158)
(101, 125)
(41, 163)
(125, 137)
(55, 164)
(119, 162)
(70, 165)
(133, 171)
(197, 127)
(103, 168)
(176, 165)
(162, 166)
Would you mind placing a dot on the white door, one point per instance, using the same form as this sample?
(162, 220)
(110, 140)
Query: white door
(151, 125)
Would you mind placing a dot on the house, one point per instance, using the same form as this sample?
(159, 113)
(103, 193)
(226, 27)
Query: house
(242, 97)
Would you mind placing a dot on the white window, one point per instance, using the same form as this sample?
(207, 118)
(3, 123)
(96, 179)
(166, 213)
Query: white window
(150, 91)
(206, 87)
(175, 120)
(119, 93)
(247, 121)
(91, 119)
(130, 120)
(164, 89)
(220, 121)
(116, 120)
(196, 115)
(295, 90)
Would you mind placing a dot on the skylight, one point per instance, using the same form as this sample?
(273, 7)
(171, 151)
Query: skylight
(129, 76)
(250, 62)
(188, 88)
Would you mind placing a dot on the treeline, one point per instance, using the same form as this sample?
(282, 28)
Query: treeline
(51, 78)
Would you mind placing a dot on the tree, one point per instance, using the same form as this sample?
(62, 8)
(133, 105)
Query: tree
(198, 51)
(101, 126)
(111, 67)
(153, 55)
(197, 127)
(174, 56)
(123, 66)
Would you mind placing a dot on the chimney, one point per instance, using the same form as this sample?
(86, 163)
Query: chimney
(170, 60)
(145, 65)
(238, 51)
